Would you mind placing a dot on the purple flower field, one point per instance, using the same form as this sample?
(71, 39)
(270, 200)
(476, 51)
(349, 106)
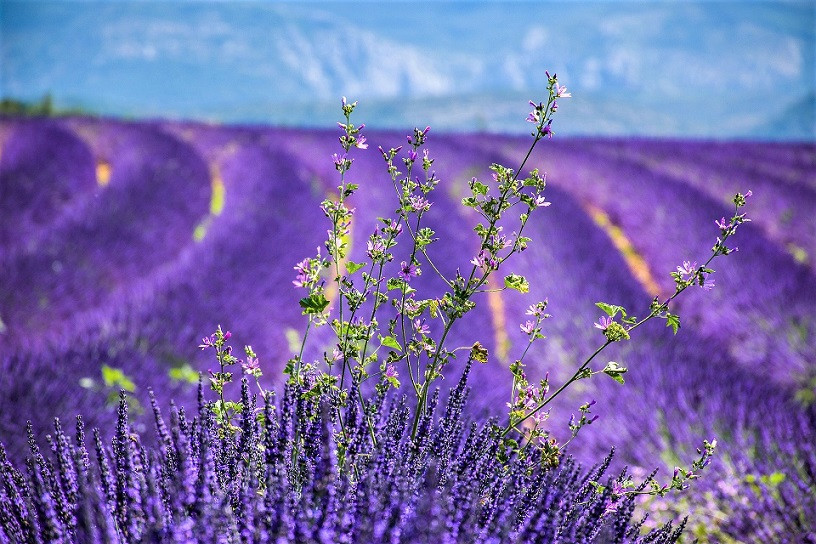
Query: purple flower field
(123, 243)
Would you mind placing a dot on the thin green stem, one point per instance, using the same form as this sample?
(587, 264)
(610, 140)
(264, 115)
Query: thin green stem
(566, 384)
(428, 377)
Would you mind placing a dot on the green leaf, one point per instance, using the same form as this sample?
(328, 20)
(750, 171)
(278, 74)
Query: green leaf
(399, 283)
(479, 353)
(350, 188)
(353, 267)
(114, 377)
(517, 282)
(235, 407)
(673, 321)
(615, 371)
(183, 373)
(390, 342)
(598, 487)
(776, 478)
(611, 309)
(479, 188)
(314, 304)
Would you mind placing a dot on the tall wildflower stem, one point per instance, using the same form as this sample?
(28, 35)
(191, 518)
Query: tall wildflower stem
(423, 396)
(470, 287)
(299, 360)
(696, 274)
(514, 425)
(377, 283)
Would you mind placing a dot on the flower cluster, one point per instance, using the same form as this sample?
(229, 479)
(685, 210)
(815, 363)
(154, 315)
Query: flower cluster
(541, 115)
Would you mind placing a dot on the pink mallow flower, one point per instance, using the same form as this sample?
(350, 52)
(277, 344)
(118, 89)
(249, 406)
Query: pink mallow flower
(207, 342)
(421, 327)
(547, 130)
(561, 91)
(407, 271)
(251, 366)
(374, 247)
(484, 260)
(688, 269)
(540, 202)
(419, 203)
(603, 323)
(302, 273)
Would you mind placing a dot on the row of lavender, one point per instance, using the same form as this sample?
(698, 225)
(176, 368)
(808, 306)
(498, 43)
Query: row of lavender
(113, 274)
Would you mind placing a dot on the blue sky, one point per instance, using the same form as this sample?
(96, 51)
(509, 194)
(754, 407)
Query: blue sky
(679, 69)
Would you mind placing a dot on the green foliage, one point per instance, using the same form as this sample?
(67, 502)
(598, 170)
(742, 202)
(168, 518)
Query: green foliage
(352, 267)
(517, 282)
(615, 371)
(184, 373)
(390, 342)
(314, 304)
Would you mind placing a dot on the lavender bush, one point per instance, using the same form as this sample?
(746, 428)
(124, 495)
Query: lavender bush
(262, 485)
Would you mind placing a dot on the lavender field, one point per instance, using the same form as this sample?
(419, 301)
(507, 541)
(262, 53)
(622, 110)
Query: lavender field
(123, 243)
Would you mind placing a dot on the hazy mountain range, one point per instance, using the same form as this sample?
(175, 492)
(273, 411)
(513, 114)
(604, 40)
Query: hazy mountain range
(710, 69)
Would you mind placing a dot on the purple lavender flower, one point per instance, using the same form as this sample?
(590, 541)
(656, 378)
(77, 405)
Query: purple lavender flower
(375, 247)
(535, 115)
(411, 305)
(339, 160)
(538, 309)
(395, 228)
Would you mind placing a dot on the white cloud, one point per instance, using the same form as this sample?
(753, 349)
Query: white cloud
(356, 61)
(536, 38)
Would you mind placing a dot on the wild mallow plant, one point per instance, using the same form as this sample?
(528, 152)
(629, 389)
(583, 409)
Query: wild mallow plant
(341, 455)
